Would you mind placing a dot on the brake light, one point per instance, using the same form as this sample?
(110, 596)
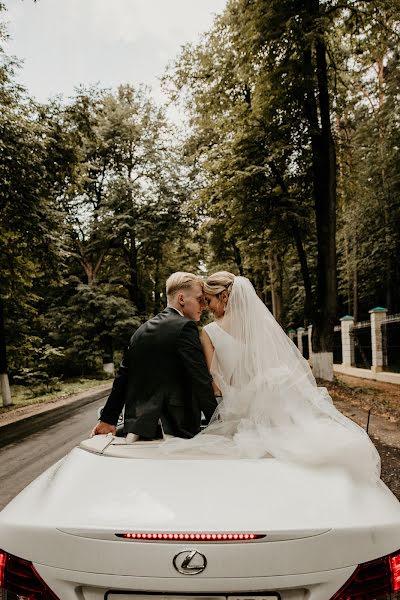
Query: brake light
(374, 580)
(2, 567)
(194, 537)
(19, 576)
(394, 562)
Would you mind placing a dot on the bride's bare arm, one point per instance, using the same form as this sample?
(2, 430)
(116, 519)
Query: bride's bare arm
(208, 350)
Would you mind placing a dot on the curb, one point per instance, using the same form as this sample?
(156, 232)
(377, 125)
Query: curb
(12, 432)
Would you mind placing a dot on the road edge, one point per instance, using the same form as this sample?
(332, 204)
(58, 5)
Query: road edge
(12, 432)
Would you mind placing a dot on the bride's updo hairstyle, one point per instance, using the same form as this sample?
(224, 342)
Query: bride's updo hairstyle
(218, 283)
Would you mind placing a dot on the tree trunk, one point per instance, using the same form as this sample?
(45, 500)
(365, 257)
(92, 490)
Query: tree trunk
(108, 354)
(386, 191)
(135, 294)
(90, 264)
(156, 289)
(238, 258)
(265, 288)
(342, 138)
(275, 273)
(355, 282)
(4, 383)
(324, 185)
(308, 299)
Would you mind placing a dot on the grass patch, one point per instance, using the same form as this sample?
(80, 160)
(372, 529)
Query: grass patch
(23, 396)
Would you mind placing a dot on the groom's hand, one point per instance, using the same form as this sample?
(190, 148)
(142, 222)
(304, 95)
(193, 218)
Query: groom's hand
(103, 428)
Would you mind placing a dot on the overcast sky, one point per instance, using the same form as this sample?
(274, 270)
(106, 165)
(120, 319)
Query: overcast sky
(67, 42)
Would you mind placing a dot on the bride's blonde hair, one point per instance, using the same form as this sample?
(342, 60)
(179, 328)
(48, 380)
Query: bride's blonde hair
(219, 282)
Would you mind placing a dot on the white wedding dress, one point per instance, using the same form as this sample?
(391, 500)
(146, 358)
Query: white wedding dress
(271, 405)
(227, 352)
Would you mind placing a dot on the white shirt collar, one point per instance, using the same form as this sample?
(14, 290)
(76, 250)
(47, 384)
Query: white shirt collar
(178, 311)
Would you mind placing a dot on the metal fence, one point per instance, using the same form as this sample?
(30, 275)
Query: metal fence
(361, 334)
(391, 343)
(337, 346)
(306, 352)
(361, 342)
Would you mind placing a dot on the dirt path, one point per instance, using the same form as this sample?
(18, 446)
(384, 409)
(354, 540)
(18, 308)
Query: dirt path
(355, 397)
(382, 398)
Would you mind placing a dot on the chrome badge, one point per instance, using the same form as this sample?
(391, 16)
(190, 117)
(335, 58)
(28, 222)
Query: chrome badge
(190, 562)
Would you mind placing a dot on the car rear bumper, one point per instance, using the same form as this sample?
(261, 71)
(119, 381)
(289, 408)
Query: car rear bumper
(73, 585)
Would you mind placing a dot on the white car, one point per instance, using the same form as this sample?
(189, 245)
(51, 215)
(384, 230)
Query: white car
(118, 521)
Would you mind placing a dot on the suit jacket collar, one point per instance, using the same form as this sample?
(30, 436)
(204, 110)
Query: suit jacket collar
(172, 308)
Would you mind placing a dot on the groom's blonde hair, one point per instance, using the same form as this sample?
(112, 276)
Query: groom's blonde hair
(180, 281)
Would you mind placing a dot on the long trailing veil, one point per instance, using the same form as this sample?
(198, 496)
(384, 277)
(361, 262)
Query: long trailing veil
(271, 403)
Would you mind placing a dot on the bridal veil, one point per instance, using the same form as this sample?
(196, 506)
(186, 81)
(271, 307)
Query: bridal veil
(271, 404)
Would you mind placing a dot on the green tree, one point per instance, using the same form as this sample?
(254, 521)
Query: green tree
(28, 214)
(264, 90)
(368, 161)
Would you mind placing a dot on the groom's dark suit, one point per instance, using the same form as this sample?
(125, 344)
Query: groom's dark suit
(163, 376)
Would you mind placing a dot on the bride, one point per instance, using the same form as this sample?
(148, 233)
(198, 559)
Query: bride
(270, 404)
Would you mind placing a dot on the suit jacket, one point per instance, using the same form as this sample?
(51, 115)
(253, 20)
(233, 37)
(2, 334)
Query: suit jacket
(163, 375)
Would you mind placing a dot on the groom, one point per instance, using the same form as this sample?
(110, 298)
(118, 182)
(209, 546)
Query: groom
(163, 376)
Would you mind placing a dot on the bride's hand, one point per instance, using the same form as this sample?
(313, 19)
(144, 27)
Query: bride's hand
(217, 391)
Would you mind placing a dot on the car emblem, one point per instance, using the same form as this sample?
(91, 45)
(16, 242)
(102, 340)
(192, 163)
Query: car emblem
(190, 562)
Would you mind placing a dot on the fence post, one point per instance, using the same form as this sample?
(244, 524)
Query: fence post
(346, 324)
(309, 329)
(300, 339)
(378, 315)
(292, 334)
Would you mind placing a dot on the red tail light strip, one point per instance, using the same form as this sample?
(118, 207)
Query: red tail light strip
(191, 537)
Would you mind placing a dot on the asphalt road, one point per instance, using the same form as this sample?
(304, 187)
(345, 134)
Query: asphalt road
(22, 462)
